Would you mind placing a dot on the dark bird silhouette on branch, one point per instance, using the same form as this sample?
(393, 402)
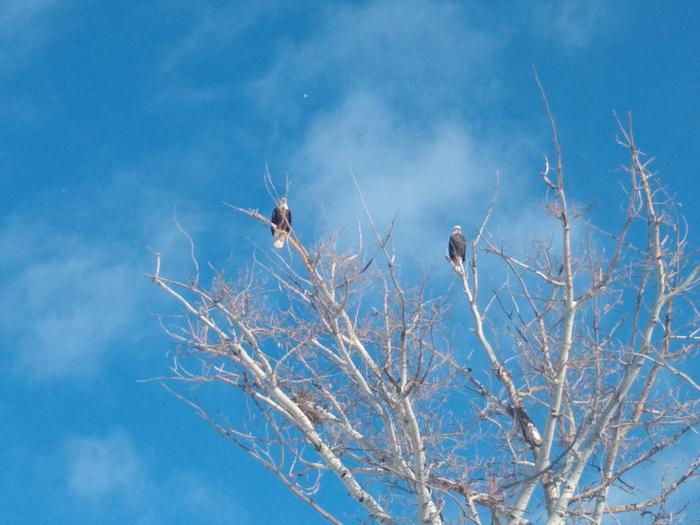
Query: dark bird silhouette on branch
(281, 223)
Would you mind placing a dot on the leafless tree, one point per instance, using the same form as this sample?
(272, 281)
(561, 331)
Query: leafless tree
(350, 373)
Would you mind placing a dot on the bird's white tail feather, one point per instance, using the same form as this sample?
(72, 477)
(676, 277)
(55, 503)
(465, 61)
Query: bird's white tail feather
(279, 239)
(457, 267)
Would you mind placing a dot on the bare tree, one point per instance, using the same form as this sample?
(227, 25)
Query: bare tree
(352, 374)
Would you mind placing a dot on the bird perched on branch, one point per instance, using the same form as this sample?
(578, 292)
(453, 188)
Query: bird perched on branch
(281, 223)
(457, 248)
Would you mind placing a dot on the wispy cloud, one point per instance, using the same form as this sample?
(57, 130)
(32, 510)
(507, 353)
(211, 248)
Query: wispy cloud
(67, 299)
(574, 23)
(74, 281)
(112, 476)
(192, 67)
(416, 52)
(108, 467)
(26, 27)
(24, 24)
(210, 26)
(434, 177)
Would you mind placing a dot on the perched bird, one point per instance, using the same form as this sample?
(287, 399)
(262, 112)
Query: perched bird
(457, 248)
(281, 223)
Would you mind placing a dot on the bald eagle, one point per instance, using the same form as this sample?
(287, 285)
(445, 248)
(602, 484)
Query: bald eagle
(281, 223)
(457, 248)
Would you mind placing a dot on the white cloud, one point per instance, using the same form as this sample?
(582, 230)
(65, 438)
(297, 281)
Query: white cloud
(210, 26)
(26, 27)
(75, 291)
(434, 176)
(101, 468)
(16, 15)
(23, 26)
(572, 22)
(67, 299)
(112, 475)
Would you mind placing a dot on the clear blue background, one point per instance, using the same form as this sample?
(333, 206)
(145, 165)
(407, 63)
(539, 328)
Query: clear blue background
(117, 116)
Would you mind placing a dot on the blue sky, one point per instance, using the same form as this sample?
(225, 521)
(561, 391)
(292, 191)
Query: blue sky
(118, 115)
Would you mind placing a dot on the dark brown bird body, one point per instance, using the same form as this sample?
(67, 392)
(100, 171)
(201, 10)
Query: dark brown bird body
(281, 223)
(457, 248)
